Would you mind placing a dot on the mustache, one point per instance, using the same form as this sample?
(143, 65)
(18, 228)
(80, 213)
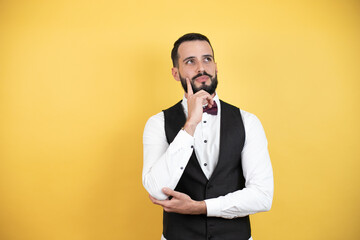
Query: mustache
(202, 74)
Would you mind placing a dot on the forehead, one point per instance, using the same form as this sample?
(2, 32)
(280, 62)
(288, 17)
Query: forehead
(194, 48)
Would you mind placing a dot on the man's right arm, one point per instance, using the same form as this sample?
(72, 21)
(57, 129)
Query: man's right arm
(164, 163)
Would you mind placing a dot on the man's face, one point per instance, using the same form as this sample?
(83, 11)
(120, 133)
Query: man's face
(196, 62)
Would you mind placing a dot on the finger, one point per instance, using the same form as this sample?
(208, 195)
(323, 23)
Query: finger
(171, 192)
(162, 203)
(202, 93)
(210, 101)
(208, 98)
(154, 200)
(189, 88)
(168, 209)
(205, 97)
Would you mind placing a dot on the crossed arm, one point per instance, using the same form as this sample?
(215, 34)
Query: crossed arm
(180, 203)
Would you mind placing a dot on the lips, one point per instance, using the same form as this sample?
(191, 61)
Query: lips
(202, 79)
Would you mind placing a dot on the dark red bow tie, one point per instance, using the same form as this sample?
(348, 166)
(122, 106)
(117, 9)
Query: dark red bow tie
(213, 110)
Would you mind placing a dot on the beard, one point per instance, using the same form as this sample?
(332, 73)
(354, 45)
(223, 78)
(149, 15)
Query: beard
(208, 88)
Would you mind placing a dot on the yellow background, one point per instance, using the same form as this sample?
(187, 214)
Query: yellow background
(79, 79)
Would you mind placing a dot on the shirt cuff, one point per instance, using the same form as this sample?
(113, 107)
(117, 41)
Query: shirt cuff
(183, 140)
(213, 207)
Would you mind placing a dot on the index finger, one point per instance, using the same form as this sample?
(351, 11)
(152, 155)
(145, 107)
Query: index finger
(189, 88)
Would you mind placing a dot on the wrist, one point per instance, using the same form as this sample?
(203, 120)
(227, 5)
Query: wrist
(200, 207)
(190, 127)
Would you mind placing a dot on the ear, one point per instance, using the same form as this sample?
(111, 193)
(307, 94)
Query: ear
(216, 71)
(175, 73)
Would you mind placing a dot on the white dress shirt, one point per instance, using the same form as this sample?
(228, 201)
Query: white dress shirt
(164, 163)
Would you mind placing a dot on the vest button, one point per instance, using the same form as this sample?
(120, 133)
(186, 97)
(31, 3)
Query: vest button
(205, 164)
(209, 186)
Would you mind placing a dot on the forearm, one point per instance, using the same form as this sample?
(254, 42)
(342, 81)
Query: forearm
(257, 194)
(240, 203)
(180, 203)
(255, 197)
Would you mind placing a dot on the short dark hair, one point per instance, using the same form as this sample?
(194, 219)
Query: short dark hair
(187, 37)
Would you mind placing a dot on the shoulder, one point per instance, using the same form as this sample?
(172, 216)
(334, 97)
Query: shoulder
(154, 128)
(159, 118)
(248, 117)
(250, 120)
(229, 111)
(228, 105)
(154, 124)
(253, 126)
(155, 120)
(174, 108)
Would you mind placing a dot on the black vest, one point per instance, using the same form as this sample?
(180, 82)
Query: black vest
(227, 177)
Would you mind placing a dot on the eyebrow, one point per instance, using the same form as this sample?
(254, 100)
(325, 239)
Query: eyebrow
(192, 57)
(188, 58)
(208, 55)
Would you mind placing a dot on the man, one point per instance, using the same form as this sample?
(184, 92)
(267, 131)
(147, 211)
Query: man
(205, 161)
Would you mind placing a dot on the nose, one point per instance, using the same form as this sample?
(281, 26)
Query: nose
(200, 67)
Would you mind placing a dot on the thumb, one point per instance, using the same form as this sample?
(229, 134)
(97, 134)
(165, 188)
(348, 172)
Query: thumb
(170, 192)
(167, 191)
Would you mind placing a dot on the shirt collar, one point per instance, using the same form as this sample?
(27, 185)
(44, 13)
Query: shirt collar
(185, 107)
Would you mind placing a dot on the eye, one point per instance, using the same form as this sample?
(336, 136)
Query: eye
(190, 61)
(208, 59)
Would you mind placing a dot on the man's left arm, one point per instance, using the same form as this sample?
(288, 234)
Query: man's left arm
(259, 185)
